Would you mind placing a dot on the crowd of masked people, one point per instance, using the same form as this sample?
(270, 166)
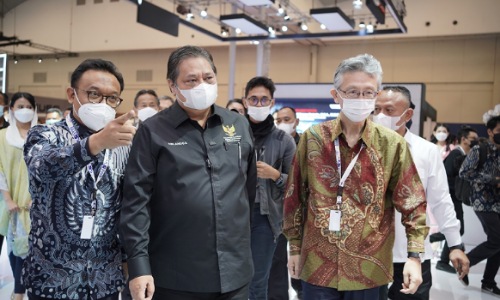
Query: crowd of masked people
(184, 199)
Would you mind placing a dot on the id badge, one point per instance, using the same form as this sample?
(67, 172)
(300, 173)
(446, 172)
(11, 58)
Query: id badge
(335, 220)
(88, 224)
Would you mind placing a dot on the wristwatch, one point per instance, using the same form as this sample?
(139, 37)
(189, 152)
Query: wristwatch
(417, 255)
(280, 180)
(459, 246)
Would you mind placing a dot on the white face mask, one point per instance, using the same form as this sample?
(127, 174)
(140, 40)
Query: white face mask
(441, 136)
(51, 121)
(200, 97)
(388, 121)
(95, 116)
(357, 110)
(145, 113)
(286, 127)
(24, 115)
(259, 114)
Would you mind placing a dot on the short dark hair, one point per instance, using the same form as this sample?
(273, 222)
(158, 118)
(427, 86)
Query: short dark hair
(143, 92)
(290, 108)
(400, 89)
(493, 122)
(260, 81)
(55, 110)
(181, 54)
(236, 100)
(448, 139)
(5, 98)
(464, 132)
(24, 95)
(98, 65)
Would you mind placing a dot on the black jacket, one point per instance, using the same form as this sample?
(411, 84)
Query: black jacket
(188, 194)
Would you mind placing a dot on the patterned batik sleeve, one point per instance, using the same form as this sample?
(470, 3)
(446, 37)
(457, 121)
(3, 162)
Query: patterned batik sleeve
(469, 170)
(409, 199)
(50, 158)
(296, 197)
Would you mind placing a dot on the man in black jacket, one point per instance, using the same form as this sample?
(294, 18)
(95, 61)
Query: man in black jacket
(188, 192)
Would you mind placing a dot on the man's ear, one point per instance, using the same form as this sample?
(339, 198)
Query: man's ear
(334, 94)
(171, 86)
(245, 104)
(70, 93)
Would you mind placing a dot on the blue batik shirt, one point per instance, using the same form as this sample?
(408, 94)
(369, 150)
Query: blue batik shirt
(60, 264)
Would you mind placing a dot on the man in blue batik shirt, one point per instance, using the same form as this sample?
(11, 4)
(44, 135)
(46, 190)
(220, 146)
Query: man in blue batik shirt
(76, 169)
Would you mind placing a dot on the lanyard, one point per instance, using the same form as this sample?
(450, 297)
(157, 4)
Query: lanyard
(90, 169)
(347, 170)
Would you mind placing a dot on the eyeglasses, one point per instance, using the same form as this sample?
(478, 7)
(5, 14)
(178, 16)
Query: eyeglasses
(95, 97)
(254, 101)
(353, 94)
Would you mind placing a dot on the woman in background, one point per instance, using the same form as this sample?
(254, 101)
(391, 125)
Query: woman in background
(442, 138)
(14, 215)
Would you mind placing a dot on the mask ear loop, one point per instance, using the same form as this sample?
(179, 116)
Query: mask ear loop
(401, 118)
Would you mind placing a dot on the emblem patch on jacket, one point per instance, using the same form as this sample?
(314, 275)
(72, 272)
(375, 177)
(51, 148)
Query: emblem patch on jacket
(230, 132)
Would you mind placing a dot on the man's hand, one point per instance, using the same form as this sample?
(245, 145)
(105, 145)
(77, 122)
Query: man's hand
(412, 276)
(142, 287)
(116, 133)
(460, 262)
(265, 171)
(293, 266)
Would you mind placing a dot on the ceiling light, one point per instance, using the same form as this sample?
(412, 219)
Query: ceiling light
(322, 26)
(369, 28)
(286, 17)
(303, 26)
(40, 60)
(224, 31)
(284, 28)
(15, 60)
(189, 16)
(244, 23)
(237, 30)
(357, 4)
(281, 10)
(362, 24)
(204, 13)
(333, 18)
(254, 42)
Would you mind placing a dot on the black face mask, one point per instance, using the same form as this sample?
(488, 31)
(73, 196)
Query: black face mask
(496, 138)
(474, 143)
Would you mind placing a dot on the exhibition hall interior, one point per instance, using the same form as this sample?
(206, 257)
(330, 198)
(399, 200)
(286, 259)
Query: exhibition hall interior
(446, 52)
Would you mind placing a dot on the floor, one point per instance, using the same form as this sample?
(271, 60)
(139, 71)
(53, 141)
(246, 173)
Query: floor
(445, 285)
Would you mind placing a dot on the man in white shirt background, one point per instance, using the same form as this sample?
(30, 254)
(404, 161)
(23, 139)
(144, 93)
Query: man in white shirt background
(392, 109)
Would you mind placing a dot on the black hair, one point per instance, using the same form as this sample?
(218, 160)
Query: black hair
(464, 132)
(400, 89)
(5, 98)
(290, 108)
(493, 122)
(181, 54)
(448, 139)
(143, 92)
(20, 95)
(260, 81)
(98, 65)
(236, 100)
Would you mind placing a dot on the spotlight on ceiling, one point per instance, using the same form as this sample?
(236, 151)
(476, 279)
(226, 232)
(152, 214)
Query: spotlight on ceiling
(204, 13)
(189, 16)
(362, 24)
(284, 28)
(286, 17)
(333, 18)
(224, 31)
(40, 60)
(281, 10)
(322, 26)
(369, 28)
(303, 26)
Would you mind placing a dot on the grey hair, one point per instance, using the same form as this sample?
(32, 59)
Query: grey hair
(363, 63)
(181, 54)
(56, 110)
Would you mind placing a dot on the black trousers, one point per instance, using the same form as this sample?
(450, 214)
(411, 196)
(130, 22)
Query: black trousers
(423, 291)
(168, 294)
(490, 249)
(33, 297)
(277, 288)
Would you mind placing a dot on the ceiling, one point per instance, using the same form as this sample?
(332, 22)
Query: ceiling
(76, 26)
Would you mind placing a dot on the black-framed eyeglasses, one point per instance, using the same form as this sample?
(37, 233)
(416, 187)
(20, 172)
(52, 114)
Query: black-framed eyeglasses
(95, 97)
(254, 101)
(353, 94)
